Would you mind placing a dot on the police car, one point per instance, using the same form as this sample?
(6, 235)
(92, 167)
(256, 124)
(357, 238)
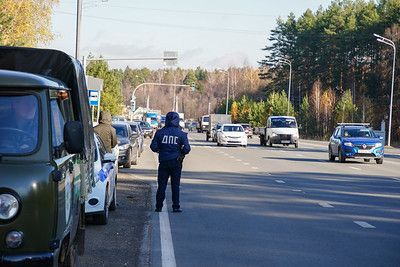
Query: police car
(355, 140)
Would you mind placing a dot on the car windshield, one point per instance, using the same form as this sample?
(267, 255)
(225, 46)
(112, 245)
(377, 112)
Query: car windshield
(283, 123)
(358, 132)
(19, 124)
(233, 128)
(206, 119)
(134, 127)
(121, 130)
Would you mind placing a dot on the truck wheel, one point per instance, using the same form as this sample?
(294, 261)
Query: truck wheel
(379, 161)
(113, 204)
(296, 145)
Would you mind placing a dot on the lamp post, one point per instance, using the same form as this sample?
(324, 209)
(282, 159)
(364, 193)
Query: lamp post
(227, 90)
(288, 62)
(389, 42)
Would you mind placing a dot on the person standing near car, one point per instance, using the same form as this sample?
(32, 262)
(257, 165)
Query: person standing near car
(171, 144)
(106, 132)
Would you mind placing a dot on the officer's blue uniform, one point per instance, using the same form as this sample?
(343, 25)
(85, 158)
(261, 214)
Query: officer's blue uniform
(170, 143)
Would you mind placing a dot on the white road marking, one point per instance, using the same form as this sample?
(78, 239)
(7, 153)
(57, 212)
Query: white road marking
(299, 155)
(167, 247)
(355, 168)
(296, 190)
(245, 163)
(238, 160)
(364, 224)
(231, 157)
(254, 168)
(280, 181)
(325, 205)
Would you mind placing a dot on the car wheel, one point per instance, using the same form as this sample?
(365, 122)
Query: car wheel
(296, 145)
(342, 158)
(113, 204)
(128, 163)
(103, 217)
(379, 161)
(71, 258)
(331, 156)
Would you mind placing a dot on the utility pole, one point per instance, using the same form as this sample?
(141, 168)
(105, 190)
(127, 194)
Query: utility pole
(78, 27)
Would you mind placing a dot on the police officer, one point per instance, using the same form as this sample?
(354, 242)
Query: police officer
(106, 132)
(172, 144)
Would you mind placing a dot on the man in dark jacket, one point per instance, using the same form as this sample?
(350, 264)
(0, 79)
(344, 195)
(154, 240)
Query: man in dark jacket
(106, 132)
(171, 144)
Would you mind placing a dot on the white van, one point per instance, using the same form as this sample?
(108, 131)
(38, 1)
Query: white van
(282, 130)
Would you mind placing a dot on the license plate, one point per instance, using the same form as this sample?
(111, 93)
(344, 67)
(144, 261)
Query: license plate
(285, 142)
(363, 151)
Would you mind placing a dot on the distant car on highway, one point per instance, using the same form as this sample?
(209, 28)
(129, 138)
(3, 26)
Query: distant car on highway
(247, 129)
(231, 135)
(127, 144)
(104, 194)
(351, 140)
(138, 132)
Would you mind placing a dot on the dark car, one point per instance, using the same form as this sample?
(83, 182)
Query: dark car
(147, 129)
(248, 130)
(137, 130)
(355, 141)
(127, 143)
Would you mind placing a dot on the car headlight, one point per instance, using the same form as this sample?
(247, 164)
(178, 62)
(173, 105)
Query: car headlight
(124, 147)
(9, 206)
(296, 135)
(348, 144)
(378, 144)
(274, 134)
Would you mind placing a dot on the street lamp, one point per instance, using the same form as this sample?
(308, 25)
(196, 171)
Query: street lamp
(227, 90)
(288, 62)
(389, 42)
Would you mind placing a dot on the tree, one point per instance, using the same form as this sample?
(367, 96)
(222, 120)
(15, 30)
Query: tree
(234, 111)
(26, 23)
(111, 96)
(305, 116)
(277, 104)
(345, 108)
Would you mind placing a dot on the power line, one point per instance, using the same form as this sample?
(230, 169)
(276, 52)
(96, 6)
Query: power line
(167, 25)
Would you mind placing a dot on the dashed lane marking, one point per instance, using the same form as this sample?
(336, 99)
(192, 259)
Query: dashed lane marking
(364, 224)
(299, 155)
(245, 163)
(254, 168)
(355, 168)
(231, 157)
(296, 190)
(325, 205)
(280, 181)
(239, 160)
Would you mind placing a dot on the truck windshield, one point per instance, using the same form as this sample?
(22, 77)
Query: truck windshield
(283, 123)
(19, 124)
(206, 119)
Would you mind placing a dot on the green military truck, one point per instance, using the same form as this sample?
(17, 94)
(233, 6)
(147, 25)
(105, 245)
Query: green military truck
(46, 157)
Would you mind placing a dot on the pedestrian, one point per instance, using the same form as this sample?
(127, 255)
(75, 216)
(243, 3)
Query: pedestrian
(106, 132)
(171, 144)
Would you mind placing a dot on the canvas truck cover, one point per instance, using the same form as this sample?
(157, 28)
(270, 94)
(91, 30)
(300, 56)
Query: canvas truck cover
(58, 65)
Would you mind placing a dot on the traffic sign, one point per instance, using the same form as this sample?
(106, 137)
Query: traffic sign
(94, 98)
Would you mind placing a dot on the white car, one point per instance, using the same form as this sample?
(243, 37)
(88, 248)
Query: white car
(231, 135)
(104, 194)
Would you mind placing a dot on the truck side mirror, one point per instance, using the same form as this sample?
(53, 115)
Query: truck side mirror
(73, 137)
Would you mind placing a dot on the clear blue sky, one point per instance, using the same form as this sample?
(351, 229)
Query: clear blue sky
(206, 33)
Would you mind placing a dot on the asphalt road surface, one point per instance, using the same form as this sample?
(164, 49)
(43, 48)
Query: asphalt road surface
(257, 206)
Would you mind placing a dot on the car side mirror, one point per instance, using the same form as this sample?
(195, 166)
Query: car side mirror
(109, 158)
(74, 137)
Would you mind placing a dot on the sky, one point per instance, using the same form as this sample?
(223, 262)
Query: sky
(211, 34)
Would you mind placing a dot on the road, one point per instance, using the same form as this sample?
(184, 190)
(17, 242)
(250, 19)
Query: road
(279, 206)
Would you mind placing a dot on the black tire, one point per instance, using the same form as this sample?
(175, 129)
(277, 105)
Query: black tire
(342, 158)
(113, 204)
(269, 142)
(296, 145)
(128, 163)
(71, 258)
(331, 156)
(379, 161)
(102, 218)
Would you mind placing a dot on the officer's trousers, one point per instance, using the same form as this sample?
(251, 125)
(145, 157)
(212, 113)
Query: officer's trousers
(166, 169)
